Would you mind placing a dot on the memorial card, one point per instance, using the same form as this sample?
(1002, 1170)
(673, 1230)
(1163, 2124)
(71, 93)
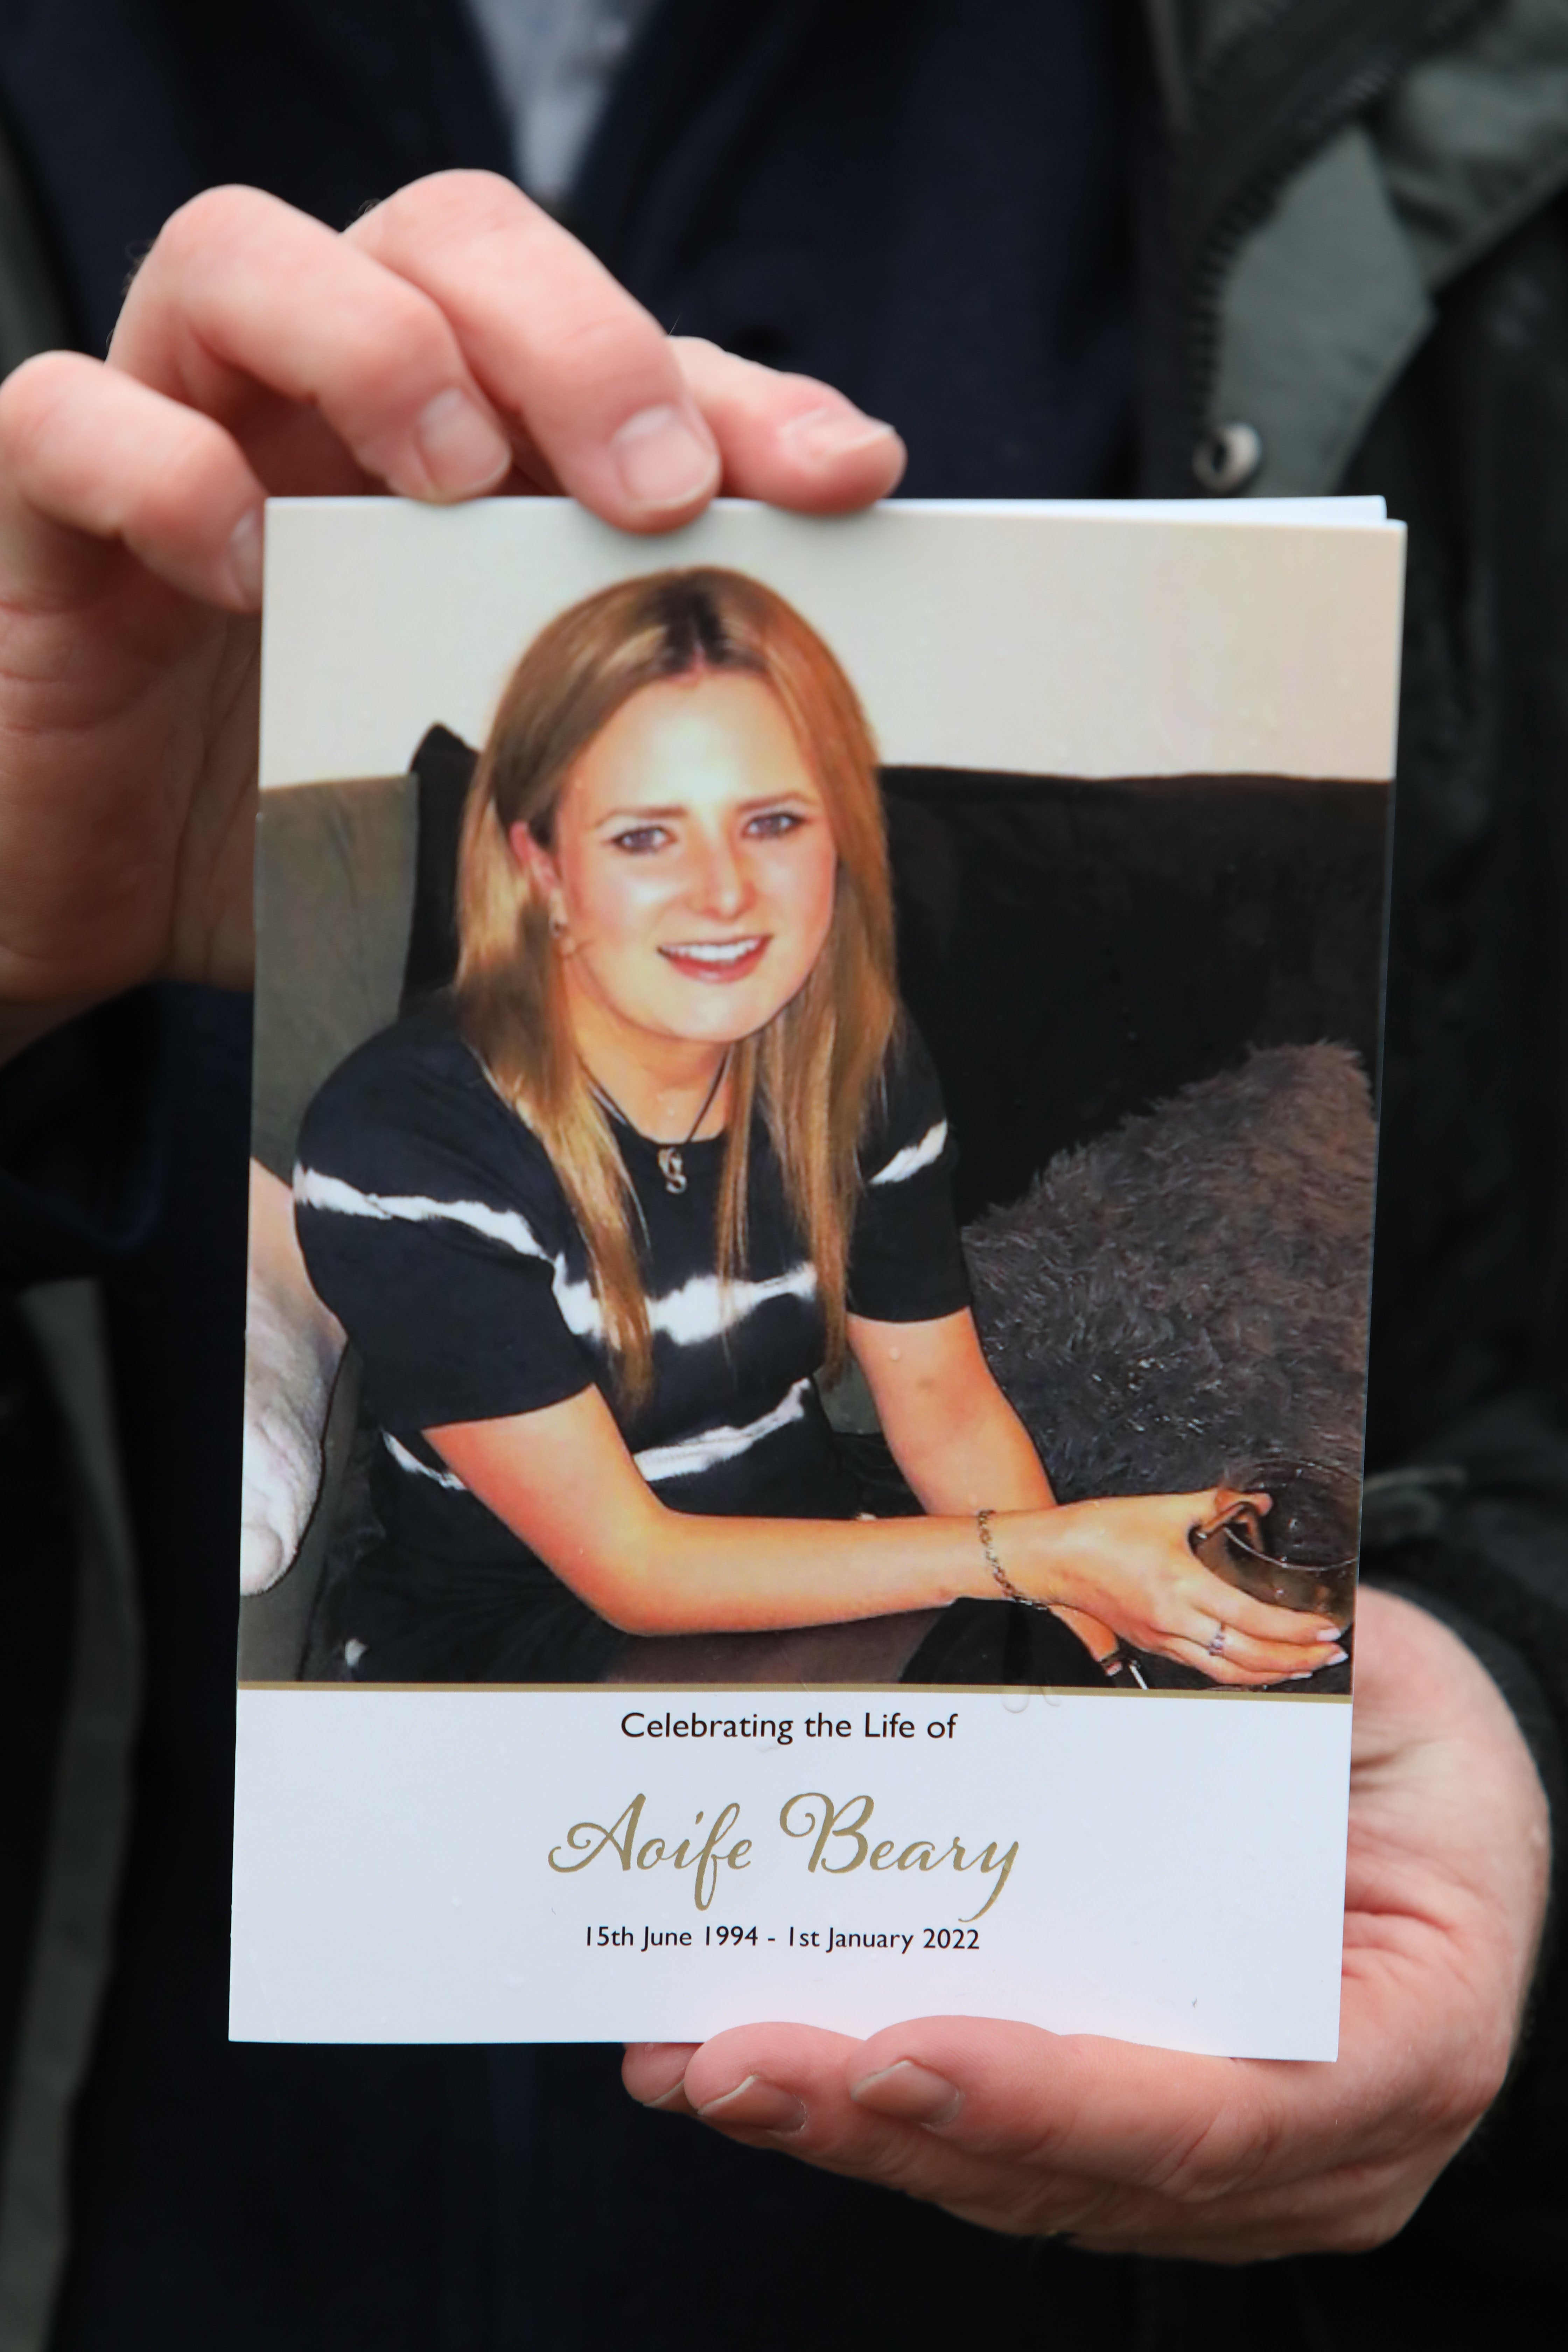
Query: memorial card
(811, 1217)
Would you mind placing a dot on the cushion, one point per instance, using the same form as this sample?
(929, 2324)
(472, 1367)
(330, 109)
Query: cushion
(334, 892)
(1189, 1292)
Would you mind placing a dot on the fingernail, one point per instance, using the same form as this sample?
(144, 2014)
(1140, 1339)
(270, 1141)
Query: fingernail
(916, 2094)
(757, 2104)
(245, 557)
(663, 460)
(823, 435)
(1336, 1657)
(463, 452)
(675, 2089)
(665, 2098)
(1329, 1633)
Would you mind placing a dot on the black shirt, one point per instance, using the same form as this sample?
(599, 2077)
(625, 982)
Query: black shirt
(437, 1231)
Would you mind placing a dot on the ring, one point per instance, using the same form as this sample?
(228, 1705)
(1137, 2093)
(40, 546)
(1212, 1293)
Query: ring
(1215, 1644)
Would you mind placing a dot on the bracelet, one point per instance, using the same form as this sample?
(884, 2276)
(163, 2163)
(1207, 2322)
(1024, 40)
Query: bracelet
(1116, 1663)
(982, 1527)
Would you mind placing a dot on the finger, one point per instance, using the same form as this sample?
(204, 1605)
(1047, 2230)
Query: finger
(243, 300)
(90, 457)
(1221, 1668)
(934, 2110)
(589, 381)
(1086, 2107)
(788, 439)
(1287, 1629)
(843, 2132)
(1197, 2127)
(732, 2079)
(654, 2072)
(786, 2087)
(1215, 1645)
(836, 2102)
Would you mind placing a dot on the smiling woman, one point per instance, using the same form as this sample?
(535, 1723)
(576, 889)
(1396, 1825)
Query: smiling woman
(715, 888)
(597, 1220)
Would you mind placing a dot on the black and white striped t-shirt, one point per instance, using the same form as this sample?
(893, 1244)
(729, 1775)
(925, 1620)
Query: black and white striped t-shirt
(434, 1228)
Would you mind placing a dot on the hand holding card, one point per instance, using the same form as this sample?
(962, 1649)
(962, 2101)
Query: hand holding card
(453, 342)
(452, 339)
(1126, 2149)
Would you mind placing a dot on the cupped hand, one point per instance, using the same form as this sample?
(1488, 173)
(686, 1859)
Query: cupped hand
(1128, 1560)
(1128, 2149)
(455, 341)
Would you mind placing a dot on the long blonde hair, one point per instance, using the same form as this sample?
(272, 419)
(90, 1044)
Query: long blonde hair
(814, 1069)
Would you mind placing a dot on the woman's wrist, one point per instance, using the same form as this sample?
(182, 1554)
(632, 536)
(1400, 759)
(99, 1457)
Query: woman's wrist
(1097, 1637)
(1038, 1551)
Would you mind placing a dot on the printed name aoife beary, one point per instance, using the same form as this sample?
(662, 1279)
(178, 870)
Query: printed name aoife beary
(586, 1842)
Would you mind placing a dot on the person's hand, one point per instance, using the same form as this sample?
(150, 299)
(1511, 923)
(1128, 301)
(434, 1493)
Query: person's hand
(453, 342)
(1230, 2160)
(1127, 1561)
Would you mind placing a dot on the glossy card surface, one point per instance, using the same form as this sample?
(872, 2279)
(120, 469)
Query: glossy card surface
(810, 1236)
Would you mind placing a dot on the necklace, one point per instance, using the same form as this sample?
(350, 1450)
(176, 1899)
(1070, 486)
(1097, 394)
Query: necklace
(671, 1162)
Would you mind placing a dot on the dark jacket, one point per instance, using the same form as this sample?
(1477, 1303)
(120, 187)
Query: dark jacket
(1349, 268)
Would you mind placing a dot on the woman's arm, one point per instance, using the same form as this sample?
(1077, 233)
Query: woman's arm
(952, 1432)
(563, 1481)
(954, 1435)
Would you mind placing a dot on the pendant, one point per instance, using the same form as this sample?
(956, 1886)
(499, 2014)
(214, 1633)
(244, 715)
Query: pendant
(672, 1168)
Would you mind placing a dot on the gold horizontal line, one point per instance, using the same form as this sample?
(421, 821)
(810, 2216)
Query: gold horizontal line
(913, 1694)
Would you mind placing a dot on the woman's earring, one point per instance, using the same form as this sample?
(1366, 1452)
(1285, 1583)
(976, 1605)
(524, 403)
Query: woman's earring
(557, 923)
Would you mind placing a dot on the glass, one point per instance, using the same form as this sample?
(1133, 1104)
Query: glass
(1299, 1554)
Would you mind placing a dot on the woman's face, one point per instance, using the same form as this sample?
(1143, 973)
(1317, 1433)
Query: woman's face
(693, 865)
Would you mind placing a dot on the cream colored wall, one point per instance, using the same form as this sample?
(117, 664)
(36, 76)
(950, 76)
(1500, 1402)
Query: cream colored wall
(1091, 641)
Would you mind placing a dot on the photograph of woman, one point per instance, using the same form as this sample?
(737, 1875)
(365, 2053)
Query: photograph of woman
(598, 1218)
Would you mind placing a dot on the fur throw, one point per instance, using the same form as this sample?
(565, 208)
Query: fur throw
(1176, 1299)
